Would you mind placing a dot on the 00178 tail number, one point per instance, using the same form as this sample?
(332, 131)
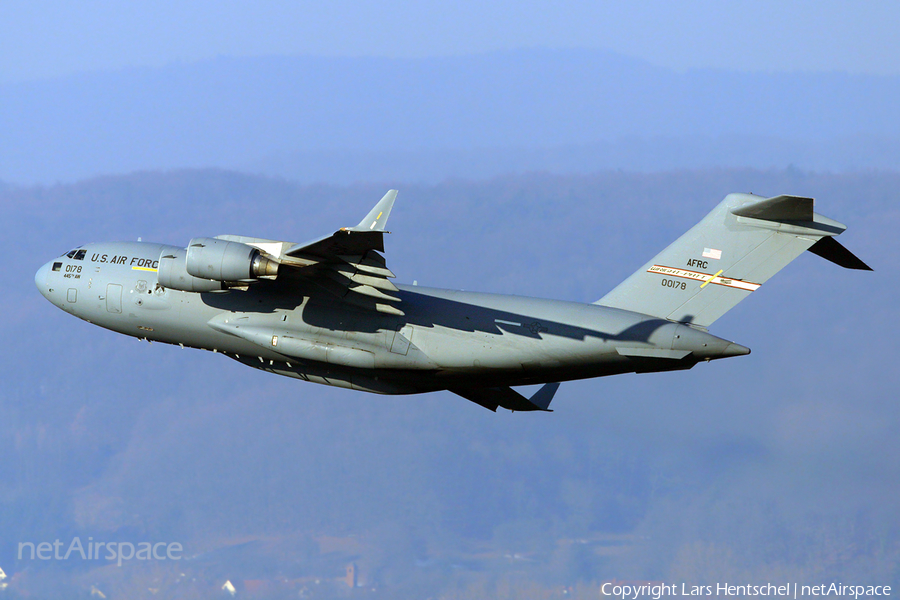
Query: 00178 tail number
(671, 283)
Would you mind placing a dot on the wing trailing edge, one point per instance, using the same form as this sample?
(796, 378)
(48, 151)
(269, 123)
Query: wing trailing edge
(346, 263)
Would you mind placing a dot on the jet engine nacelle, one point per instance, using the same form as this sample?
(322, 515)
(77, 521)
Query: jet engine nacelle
(173, 273)
(221, 260)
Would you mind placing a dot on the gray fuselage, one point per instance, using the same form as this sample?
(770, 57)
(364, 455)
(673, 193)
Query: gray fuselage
(446, 339)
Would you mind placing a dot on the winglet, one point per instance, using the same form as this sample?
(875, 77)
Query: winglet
(377, 218)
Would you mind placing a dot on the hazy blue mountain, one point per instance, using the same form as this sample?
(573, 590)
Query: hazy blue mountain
(782, 463)
(643, 154)
(346, 119)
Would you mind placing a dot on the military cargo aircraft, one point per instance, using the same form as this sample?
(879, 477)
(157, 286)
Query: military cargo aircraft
(326, 310)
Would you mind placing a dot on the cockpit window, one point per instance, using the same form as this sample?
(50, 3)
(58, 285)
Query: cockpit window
(57, 266)
(76, 254)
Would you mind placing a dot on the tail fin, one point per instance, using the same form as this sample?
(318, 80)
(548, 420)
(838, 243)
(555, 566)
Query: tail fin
(736, 248)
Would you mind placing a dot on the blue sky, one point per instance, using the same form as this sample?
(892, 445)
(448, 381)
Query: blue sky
(44, 39)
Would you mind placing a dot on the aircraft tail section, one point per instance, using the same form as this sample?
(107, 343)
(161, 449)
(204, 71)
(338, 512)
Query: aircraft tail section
(727, 256)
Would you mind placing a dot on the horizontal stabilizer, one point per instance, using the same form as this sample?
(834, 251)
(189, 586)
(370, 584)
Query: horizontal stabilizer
(830, 249)
(779, 208)
(506, 397)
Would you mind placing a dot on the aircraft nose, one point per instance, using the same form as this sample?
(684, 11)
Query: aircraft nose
(40, 280)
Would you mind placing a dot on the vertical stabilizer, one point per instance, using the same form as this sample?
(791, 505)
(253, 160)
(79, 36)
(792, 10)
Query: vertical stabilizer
(727, 256)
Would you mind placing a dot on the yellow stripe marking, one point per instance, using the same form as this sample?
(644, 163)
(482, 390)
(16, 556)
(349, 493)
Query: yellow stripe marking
(711, 277)
(738, 284)
(379, 215)
(144, 269)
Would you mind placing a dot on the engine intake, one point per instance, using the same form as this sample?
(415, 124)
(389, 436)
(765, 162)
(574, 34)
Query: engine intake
(220, 260)
(173, 274)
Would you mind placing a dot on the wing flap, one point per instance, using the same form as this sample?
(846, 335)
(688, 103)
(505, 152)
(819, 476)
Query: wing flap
(368, 290)
(355, 277)
(372, 263)
(347, 263)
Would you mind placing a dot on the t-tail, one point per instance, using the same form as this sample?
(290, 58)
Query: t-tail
(727, 256)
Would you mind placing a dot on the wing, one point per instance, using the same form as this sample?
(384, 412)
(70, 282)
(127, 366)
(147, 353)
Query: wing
(346, 263)
(491, 398)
